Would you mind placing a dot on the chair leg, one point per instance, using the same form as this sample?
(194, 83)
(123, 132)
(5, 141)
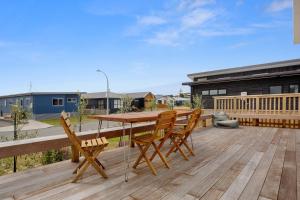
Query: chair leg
(99, 163)
(184, 142)
(99, 169)
(180, 150)
(150, 165)
(79, 166)
(159, 147)
(96, 163)
(160, 155)
(173, 148)
(81, 171)
(137, 162)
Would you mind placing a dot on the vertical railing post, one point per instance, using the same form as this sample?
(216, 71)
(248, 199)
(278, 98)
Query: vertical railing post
(257, 105)
(234, 104)
(215, 105)
(283, 104)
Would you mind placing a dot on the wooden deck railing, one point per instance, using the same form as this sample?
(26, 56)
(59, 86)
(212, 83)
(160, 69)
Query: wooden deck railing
(260, 104)
(279, 110)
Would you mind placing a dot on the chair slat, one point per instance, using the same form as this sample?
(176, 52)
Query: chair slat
(94, 142)
(104, 140)
(99, 141)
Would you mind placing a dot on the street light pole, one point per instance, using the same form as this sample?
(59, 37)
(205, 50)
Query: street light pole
(107, 90)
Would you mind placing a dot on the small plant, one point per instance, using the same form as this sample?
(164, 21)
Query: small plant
(187, 104)
(170, 105)
(197, 101)
(20, 117)
(153, 105)
(126, 102)
(53, 156)
(81, 106)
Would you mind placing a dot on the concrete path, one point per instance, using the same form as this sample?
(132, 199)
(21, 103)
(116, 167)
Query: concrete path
(57, 130)
(31, 125)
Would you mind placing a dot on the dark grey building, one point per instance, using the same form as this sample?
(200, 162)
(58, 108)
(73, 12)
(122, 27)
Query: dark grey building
(97, 100)
(268, 78)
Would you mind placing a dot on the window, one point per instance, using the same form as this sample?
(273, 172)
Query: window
(57, 102)
(117, 103)
(101, 104)
(213, 92)
(222, 91)
(72, 100)
(294, 88)
(276, 89)
(205, 92)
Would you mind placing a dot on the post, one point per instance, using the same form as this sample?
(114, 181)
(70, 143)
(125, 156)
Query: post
(75, 154)
(215, 105)
(15, 138)
(257, 104)
(284, 104)
(107, 93)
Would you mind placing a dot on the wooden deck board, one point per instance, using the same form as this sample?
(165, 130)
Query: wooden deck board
(247, 163)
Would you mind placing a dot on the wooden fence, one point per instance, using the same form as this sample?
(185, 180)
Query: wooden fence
(279, 110)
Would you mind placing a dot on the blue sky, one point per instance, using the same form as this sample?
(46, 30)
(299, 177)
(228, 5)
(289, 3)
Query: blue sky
(141, 44)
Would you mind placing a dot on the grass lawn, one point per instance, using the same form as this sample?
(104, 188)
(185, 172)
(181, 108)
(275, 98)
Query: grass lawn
(56, 121)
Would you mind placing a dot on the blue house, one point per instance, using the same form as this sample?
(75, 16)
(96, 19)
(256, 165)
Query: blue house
(41, 104)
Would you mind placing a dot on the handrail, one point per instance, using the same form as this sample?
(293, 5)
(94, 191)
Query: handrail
(288, 103)
(259, 95)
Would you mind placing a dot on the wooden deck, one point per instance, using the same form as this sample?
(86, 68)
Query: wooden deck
(246, 163)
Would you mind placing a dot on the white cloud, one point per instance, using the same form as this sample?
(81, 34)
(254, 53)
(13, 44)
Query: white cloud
(151, 20)
(239, 2)
(168, 38)
(188, 20)
(225, 32)
(238, 45)
(197, 17)
(191, 4)
(279, 5)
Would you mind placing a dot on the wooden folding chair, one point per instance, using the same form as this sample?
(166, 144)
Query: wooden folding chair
(180, 137)
(163, 129)
(90, 149)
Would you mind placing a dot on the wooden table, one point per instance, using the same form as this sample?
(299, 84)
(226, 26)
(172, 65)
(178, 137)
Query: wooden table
(131, 118)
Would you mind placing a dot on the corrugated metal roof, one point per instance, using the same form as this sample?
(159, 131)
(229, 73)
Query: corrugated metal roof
(248, 77)
(245, 68)
(102, 95)
(138, 95)
(39, 93)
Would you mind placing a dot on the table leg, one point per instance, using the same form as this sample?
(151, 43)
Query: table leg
(129, 152)
(125, 159)
(187, 118)
(99, 128)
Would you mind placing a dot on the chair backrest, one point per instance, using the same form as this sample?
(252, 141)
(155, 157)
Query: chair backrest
(165, 123)
(193, 120)
(66, 123)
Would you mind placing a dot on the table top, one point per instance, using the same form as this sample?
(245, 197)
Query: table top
(136, 117)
